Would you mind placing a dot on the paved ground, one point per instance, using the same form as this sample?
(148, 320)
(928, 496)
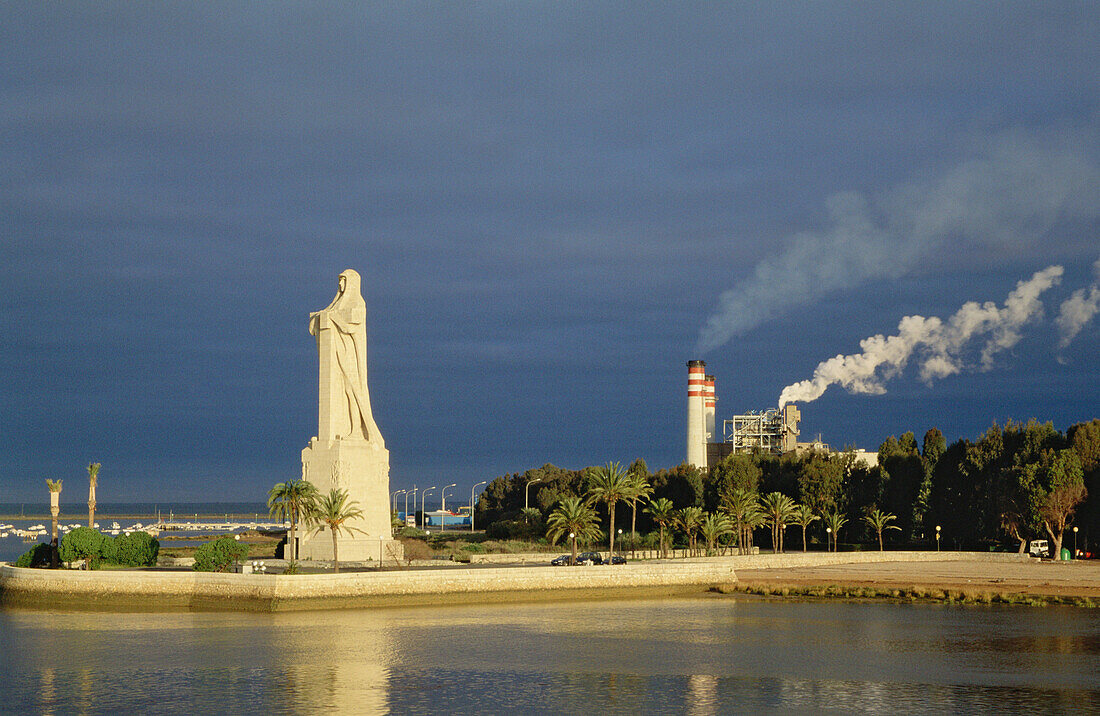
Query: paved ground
(1078, 578)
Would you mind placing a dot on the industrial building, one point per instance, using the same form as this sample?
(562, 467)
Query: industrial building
(774, 430)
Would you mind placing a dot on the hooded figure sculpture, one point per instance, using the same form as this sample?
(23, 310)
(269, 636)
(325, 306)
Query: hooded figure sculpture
(341, 331)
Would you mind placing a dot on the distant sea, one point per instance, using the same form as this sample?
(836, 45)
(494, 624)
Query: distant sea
(41, 510)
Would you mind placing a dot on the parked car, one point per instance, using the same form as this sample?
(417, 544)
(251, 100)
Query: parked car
(618, 559)
(1039, 548)
(589, 558)
(565, 559)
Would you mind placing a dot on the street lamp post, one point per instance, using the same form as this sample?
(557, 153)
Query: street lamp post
(620, 538)
(526, 494)
(443, 508)
(828, 539)
(424, 517)
(573, 546)
(937, 538)
(483, 482)
(393, 501)
(1075, 542)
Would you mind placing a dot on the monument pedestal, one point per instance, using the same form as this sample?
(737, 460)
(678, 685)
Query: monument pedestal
(362, 468)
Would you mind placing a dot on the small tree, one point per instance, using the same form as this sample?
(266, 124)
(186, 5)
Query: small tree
(137, 549)
(778, 509)
(714, 526)
(83, 543)
(803, 516)
(93, 480)
(689, 520)
(878, 520)
(662, 512)
(217, 555)
(1062, 486)
(833, 522)
(334, 511)
(292, 500)
(574, 518)
(743, 508)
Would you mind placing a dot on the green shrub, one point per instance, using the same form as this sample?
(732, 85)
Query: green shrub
(83, 543)
(36, 556)
(473, 547)
(109, 551)
(137, 549)
(219, 554)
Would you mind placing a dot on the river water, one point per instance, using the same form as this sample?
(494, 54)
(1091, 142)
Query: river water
(707, 655)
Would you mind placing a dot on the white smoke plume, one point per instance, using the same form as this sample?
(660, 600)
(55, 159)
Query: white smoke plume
(1009, 193)
(941, 348)
(1079, 309)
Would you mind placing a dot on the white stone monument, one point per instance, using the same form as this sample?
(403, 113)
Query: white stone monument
(348, 452)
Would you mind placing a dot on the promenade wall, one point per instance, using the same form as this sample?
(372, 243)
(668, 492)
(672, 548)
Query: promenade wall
(152, 590)
(158, 590)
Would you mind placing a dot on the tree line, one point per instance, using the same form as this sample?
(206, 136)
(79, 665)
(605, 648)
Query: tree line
(1013, 483)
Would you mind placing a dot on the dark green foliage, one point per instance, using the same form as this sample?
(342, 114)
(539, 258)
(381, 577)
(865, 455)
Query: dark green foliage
(904, 471)
(733, 472)
(820, 479)
(83, 543)
(137, 549)
(515, 529)
(1084, 439)
(218, 555)
(36, 556)
(983, 493)
(503, 498)
(682, 484)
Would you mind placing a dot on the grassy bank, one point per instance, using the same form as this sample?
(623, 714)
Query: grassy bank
(907, 594)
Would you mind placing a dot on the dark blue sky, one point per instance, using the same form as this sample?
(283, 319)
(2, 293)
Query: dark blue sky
(553, 207)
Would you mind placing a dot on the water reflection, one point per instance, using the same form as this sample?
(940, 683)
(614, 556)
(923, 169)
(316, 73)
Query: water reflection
(699, 656)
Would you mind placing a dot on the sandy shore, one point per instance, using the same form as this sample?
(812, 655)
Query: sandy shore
(1065, 579)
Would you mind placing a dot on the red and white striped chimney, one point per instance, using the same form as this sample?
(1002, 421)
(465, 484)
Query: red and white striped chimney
(696, 422)
(708, 409)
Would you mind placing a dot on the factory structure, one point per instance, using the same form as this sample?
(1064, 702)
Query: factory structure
(772, 431)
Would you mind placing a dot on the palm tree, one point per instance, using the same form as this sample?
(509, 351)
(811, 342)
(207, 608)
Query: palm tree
(333, 511)
(574, 518)
(689, 519)
(609, 484)
(55, 510)
(744, 508)
(93, 479)
(879, 521)
(640, 490)
(803, 516)
(778, 510)
(714, 526)
(833, 522)
(292, 500)
(661, 512)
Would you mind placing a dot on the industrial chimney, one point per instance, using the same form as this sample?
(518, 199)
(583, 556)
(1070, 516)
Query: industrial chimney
(708, 410)
(696, 422)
